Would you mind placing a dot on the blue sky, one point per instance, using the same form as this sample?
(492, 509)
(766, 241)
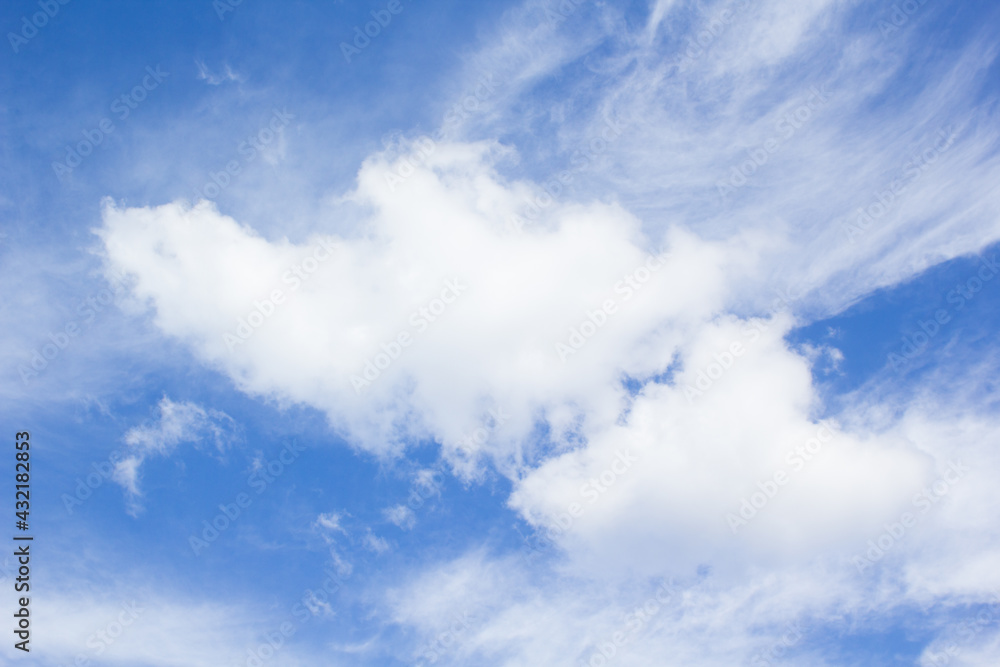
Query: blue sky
(531, 333)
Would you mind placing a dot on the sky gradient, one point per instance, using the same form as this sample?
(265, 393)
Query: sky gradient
(524, 333)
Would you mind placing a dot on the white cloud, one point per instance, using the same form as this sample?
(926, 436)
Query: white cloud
(497, 343)
(790, 567)
(685, 455)
(330, 523)
(442, 234)
(142, 627)
(482, 610)
(689, 477)
(401, 515)
(374, 543)
(177, 423)
(697, 118)
(205, 74)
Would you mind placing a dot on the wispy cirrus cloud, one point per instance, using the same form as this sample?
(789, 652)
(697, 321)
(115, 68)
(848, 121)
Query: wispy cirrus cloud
(752, 135)
(178, 423)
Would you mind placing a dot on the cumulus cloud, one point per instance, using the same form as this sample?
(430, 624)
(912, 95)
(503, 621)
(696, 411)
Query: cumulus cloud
(441, 311)
(726, 466)
(719, 460)
(657, 422)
